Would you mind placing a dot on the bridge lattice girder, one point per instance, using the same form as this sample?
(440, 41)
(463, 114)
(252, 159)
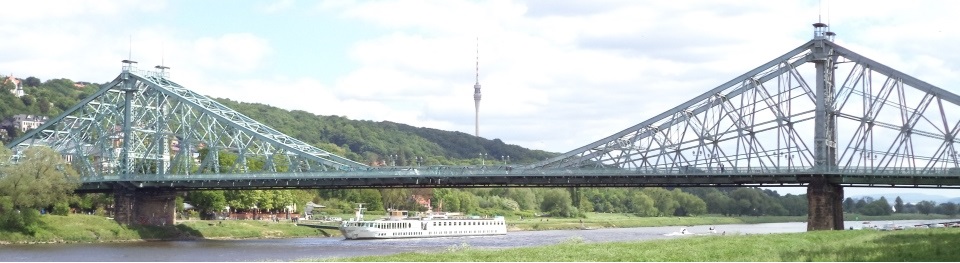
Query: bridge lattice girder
(887, 122)
(170, 126)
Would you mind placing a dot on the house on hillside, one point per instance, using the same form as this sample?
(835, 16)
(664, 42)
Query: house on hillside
(24, 122)
(17, 85)
(81, 84)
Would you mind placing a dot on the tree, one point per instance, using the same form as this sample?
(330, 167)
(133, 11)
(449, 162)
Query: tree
(898, 205)
(640, 204)
(208, 202)
(719, 203)
(93, 202)
(885, 205)
(948, 208)
(796, 205)
(849, 205)
(926, 207)
(39, 180)
(242, 200)
(372, 199)
(28, 100)
(557, 202)
(6, 86)
(688, 204)
(662, 199)
(524, 197)
(44, 105)
(468, 202)
(31, 81)
(877, 208)
(447, 200)
(860, 205)
(398, 198)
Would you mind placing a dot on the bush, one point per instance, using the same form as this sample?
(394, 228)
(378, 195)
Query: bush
(100, 211)
(61, 209)
(193, 214)
(525, 214)
(26, 221)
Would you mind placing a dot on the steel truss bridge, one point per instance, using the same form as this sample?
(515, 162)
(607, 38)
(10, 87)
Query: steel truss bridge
(818, 111)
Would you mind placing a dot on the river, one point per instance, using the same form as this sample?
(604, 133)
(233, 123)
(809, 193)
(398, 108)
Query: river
(334, 247)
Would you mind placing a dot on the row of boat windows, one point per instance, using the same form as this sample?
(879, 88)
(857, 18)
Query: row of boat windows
(470, 232)
(382, 225)
(459, 223)
(403, 225)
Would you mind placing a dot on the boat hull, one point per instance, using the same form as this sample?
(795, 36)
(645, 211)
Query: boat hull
(386, 229)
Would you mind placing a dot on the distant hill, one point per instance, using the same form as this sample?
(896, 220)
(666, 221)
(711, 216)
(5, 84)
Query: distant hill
(369, 140)
(377, 143)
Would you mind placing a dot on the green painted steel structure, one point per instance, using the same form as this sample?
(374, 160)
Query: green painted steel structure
(877, 128)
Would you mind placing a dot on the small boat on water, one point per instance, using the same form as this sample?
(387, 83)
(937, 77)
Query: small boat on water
(399, 224)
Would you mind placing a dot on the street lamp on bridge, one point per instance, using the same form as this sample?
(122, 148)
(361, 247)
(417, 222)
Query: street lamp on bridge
(505, 159)
(393, 159)
(483, 158)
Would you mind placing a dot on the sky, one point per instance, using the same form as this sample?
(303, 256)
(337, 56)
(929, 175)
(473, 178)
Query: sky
(555, 75)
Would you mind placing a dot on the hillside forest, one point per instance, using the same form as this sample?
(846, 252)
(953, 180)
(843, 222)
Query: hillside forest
(389, 143)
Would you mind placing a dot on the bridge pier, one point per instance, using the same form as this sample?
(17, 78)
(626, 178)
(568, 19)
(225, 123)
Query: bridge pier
(155, 207)
(825, 205)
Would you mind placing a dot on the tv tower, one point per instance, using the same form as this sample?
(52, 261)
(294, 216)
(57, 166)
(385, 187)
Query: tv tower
(476, 92)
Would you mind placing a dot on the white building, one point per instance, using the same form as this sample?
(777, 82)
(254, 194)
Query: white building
(25, 122)
(17, 86)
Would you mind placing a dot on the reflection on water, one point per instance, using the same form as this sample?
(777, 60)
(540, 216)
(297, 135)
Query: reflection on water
(324, 247)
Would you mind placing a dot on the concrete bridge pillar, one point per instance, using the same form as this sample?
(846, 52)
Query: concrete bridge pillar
(825, 205)
(155, 207)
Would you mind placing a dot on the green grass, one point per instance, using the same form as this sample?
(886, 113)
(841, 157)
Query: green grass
(614, 220)
(856, 217)
(862, 245)
(234, 229)
(84, 228)
(90, 228)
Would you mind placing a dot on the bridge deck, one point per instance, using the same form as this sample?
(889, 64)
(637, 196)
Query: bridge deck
(430, 177)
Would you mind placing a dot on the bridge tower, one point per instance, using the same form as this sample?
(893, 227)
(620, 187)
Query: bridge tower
(825, 199)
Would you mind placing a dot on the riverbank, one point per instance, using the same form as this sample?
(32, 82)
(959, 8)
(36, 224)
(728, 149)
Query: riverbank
(936, 244)
(611, 220)
(78, 228)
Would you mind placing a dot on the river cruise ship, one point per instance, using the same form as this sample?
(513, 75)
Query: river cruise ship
(399, 224)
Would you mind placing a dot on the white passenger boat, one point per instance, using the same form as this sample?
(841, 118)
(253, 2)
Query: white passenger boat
(399, 224)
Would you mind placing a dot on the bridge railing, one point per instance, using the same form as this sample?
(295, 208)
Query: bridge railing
(508, 171)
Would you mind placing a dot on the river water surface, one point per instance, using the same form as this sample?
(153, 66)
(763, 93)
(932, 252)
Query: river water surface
(334, 247)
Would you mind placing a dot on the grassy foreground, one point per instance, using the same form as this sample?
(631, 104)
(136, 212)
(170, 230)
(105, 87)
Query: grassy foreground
(603, 220)
(90, 228)
(858, 245)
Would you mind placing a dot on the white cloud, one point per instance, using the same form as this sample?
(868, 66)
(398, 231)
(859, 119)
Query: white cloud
(241, 52)
(278, 5)
(568, 71)
(51, 10)
(556, 75)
